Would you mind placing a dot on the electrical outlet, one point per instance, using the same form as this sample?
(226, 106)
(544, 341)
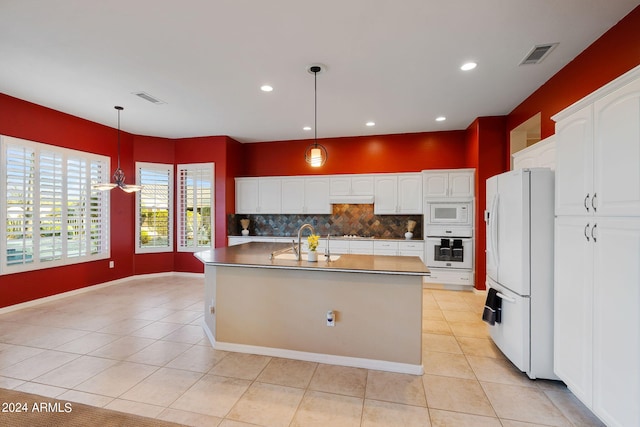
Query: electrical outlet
(112, 264)
(331, 318)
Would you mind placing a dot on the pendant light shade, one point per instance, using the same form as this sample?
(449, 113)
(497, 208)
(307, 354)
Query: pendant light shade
(118, 174)
(315, 154)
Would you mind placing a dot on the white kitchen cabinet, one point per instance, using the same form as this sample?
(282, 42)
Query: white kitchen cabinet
(450, 277)
(599, 149)
(351, 185)
(385, 247)
(258, 195)
(361, 247)
(305, 195)
(597, 279)
(542, 154)
(454, 183)
(411, 248)
(398, 194)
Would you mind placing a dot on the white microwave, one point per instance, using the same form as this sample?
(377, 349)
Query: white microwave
(449, 213)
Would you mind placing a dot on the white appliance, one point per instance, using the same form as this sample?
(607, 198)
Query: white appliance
(519, 220)
(449, 213)
(450, 248)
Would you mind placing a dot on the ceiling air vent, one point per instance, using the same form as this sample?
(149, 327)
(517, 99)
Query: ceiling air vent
(150, 98)
(538, 53)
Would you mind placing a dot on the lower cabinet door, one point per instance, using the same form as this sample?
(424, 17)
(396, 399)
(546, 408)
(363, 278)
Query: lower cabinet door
(616, 319)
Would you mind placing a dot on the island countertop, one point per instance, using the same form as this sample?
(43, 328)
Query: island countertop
(256, 254)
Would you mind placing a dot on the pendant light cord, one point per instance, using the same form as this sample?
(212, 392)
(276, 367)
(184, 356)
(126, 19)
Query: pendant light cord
(315, 107)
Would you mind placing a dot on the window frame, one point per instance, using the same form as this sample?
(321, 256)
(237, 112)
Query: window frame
(181, 201)
(162, 168)
(71, 169)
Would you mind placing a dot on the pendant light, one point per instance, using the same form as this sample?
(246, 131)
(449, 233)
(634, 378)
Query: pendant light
(315, 154)
(118, 175)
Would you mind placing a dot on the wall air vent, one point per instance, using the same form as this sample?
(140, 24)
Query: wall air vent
(538, 53)
(150, 98)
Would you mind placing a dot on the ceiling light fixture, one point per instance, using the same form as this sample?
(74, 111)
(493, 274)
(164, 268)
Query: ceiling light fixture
(441, 119)
(468, 66)
(371, 124)
(315, 154)
(118, 175)
(307, 128)
(266, 88)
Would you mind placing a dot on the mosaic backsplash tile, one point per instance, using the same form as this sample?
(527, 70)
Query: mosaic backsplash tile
(345, 219)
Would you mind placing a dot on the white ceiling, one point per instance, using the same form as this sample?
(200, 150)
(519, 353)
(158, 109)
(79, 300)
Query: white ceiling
(393, 62)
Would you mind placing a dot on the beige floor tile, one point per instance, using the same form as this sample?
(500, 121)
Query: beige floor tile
(75, 372)
(456, 394)
(453, 305)
(86, 398)
(10, 383)
(153, 314)
(136, 408)
(125, 327)
(396, 388)
(122, 348)
(267, 404)
(512, 423)
(159, 353)
(462, 316)
(319, 409)
(240, 365)
(233, 423)
(523, 404)
(11, 354)
(162, 387)
(156, 330)
(288, 372)
(433, 314)
(447, 364)
(183, 316)
(572, 408)
(117, 379)
(188, 418)
(212, 395)
(340, 380)
(442, 343)
(198, 358)
(477, 329)
(88, 343)
(499, 371)
(436, 327)
(51, 338)
(484, 347)
(385, 414)
(188, 334)
(37, 365)
(41, 389)
(441, 418)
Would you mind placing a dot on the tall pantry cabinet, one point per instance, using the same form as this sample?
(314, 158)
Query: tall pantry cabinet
(597, 250)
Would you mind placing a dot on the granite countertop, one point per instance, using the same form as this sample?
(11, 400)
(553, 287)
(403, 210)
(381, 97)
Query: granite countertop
(257, 255)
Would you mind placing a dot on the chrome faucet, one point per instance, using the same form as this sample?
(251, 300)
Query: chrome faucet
(298, 252)
(327, 252)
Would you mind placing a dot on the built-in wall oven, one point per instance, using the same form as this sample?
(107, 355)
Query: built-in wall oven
(449, 252)
(449, 234)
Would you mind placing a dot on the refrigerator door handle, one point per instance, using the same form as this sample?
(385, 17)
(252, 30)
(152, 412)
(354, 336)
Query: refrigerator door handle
(504, 297)
(494, 230)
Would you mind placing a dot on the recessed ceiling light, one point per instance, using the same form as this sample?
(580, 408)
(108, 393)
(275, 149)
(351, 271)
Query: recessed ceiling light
(441, 119)
(371, 124)
(468, 66)
(266, 88)
(306, 128)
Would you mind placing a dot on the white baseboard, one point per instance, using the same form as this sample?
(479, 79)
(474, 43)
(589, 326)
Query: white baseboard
(329, 359)
(92, 288)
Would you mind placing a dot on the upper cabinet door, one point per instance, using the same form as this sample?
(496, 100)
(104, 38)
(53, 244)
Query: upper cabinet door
(317, 196)
(270, 196)
(461, 184)
(574, 155)
(410, 193)
(362, 185)
(386, 199)
(436, 184)
(293, 190)
(246, 195)
(617, 152)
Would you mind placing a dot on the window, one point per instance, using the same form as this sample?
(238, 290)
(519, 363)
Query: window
(154, 208)
(51, 215)
(195, 206)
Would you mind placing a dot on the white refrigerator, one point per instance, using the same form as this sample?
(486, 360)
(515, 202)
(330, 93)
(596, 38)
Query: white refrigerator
(519, 218)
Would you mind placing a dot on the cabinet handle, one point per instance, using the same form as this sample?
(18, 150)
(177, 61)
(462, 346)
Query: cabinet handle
(593, 202)
(586, 227)
(592, 232)
(586, 198)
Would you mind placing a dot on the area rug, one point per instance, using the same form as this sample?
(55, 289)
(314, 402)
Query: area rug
(19, 409)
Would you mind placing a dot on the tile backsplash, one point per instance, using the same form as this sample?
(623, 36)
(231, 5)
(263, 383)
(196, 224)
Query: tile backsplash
(345, 219)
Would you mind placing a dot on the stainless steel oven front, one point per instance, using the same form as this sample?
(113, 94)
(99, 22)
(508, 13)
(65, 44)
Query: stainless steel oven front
(449, 252)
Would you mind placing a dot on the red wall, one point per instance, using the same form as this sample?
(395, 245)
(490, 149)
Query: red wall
(614, 53)
(365, 154)
(29, 121)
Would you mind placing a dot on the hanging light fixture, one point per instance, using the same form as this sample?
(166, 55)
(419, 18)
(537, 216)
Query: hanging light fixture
(315, 154)
(118, 175)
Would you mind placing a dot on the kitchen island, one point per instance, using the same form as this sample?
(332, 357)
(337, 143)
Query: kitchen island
(278, 306)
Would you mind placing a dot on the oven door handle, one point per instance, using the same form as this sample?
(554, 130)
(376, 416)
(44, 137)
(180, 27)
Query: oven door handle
(504, 297)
